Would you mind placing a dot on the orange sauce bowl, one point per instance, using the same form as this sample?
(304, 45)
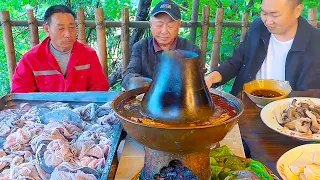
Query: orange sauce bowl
(268, 89)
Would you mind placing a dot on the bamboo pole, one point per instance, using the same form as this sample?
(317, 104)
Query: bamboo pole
(101, 39)
(194, 18)
(8, 42)
(33, 28)
(245, 25)
(313, 16)
(204, 34)
(81, 26)
(215, 57)
(125, 38)
(245, 21)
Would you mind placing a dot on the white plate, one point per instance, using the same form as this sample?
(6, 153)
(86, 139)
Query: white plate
(268, 117)
(290, 156)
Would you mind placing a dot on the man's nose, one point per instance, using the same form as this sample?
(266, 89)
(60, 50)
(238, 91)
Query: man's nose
(269, 21)
(164, 29)
(67, 33)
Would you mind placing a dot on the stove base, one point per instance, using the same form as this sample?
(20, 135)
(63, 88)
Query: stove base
(154, 160)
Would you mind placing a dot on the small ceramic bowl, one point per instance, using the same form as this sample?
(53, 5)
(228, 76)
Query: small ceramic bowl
(282, 87)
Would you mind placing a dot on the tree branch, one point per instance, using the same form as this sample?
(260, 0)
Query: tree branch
(68, 3)
(20, 32)
(89, 33)
(186, 10)
(18, 52)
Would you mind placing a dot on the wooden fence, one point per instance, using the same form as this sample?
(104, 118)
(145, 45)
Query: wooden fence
(100, 24)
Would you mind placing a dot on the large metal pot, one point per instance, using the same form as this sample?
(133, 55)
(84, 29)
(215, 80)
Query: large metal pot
(177, 139)
(178, 93)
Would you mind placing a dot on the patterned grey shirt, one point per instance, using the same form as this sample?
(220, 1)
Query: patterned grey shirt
(62, 58)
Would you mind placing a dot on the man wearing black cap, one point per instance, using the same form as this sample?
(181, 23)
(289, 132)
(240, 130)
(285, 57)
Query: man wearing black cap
(165, 21)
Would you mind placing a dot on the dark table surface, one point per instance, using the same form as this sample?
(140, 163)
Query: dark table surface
(267, 145)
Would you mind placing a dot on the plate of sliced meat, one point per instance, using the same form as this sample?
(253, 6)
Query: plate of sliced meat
(297, 117)
(302, 162)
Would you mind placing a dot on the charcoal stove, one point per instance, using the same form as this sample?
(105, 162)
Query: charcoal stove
(179, 106)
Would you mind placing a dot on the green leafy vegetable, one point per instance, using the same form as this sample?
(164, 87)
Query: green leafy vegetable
(224, 164)
(221, 151)
(225, 172)
(258, 168)
(234, 163)
(215, 171)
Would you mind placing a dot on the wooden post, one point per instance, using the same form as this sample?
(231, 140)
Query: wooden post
(33, 28)
(101, 39)
(81, 26)
(125, 38)
(204, 34)
(215, 57)
(8, 42)
(245, 21)
(313, 16)
(194, 18)
(245, 25)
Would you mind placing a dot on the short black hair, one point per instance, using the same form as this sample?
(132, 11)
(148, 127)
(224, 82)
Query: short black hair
(295, 2)
(57, 9)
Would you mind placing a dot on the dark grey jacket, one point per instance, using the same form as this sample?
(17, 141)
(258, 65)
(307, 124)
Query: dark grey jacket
(144, 59)
(302, 68)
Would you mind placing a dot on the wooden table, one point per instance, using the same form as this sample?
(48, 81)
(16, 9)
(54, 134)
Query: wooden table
(267, 145)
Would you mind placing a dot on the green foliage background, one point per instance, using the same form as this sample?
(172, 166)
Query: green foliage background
(233, 10)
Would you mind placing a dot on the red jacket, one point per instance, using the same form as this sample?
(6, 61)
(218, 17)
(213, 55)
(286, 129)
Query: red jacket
(38, 71)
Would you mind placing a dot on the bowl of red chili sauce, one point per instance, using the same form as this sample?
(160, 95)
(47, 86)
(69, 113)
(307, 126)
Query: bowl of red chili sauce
(264, 91)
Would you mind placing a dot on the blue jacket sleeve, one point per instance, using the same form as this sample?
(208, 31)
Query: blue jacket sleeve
(198, 51)
(135, 65)
(230, 68)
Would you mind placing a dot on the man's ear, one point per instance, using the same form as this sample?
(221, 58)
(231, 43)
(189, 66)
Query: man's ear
(298, 10)
(150, 23)
(46, 28)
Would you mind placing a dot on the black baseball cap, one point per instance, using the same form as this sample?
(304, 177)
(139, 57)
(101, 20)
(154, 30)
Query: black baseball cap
(169, 7)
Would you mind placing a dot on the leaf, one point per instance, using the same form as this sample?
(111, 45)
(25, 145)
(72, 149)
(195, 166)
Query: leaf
(259, 169)
(215, 171)
(221, 151)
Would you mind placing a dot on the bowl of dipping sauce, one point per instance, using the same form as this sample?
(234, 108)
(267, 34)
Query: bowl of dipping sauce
(264, 91)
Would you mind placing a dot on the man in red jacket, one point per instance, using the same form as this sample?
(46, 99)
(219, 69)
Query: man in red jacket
(59, 63)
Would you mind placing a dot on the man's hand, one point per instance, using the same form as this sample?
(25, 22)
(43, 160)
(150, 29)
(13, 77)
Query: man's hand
(138, 82)
(212, 78)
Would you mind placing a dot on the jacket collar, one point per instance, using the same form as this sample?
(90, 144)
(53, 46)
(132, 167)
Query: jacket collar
(175, 45)
(45, 54)
(157, 48)
(301, 38)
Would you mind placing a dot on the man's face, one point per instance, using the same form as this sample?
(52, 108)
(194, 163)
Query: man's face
(279, 16)
(164, 29)
(62, 31)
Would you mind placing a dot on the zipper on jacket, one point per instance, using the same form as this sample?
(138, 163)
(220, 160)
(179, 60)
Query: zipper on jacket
(265, 45)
